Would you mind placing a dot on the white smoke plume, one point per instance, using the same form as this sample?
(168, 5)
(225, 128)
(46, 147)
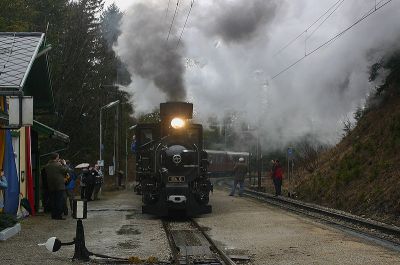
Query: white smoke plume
(230, 55)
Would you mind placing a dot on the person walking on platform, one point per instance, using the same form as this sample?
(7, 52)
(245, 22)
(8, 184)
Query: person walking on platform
(239, 173)
(56, 173)
(277, 175)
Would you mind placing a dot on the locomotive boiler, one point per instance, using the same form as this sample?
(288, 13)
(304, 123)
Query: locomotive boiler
(171, 163)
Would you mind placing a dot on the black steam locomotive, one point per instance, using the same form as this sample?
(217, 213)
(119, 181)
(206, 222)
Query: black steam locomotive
(171, 163)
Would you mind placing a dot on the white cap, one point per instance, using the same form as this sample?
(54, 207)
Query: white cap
(241, 159)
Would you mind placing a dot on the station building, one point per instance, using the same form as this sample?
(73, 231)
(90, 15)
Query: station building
(24, 71)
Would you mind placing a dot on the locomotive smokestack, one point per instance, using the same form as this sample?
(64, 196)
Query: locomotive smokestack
(182, 110)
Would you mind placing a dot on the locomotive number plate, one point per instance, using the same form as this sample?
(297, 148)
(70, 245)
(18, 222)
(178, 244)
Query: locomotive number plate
(176, 179)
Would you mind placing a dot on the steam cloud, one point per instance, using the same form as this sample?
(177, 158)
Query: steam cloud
(231, 50)
(144, 48)
(236, 21)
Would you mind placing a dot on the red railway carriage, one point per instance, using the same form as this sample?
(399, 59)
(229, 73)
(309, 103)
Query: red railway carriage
(221, 163)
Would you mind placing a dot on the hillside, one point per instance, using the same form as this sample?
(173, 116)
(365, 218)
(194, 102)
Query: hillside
(361, 174)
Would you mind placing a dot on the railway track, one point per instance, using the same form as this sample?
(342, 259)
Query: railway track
(190, 244)
(384, 234)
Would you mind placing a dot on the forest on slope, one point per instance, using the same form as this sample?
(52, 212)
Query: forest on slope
(361, 174)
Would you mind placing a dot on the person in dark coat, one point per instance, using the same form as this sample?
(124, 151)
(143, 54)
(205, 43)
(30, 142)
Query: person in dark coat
(120, 177)
(83, 180)
(45, 191)
(277, 175)
(90, 182)
(97, 182)
(56, 173)
(239, 173)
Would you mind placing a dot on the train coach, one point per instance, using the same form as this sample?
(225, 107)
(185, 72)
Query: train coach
(171, 164)
(221, 163)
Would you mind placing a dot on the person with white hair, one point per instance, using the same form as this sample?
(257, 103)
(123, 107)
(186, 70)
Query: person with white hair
(239, 173)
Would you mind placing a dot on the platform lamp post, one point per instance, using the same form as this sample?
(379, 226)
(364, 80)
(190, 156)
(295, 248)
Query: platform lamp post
(126, 155)
(259, 158)
(109, 105)
(53, 244)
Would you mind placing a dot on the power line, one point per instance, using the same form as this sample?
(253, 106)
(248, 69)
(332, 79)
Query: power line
(166, 11)
(370, 12)
(334, 10)
(180, 37)
(305, 31)
(312, 33)
(173, 19)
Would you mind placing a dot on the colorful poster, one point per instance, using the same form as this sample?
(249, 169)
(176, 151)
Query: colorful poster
(11, 198)
(2, 136)
(29, 177)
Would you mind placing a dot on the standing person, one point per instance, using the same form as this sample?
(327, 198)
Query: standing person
(70, 186)
(120, 177)
(3, 186)
(239, 172)
(83, 180)
(97, 182)
(277, 175)
(272, 167)
(45, 191)
(90, 181)
(56, 173)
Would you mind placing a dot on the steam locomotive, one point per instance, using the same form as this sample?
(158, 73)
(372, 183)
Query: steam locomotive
(171, 163)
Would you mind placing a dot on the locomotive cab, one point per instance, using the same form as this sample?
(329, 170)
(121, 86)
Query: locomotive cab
(171, 170)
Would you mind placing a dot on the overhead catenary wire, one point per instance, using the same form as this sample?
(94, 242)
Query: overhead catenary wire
(167, 9)
(308, 28)
(184, 26)
(370, 12)
(333, 11)
(173, 19)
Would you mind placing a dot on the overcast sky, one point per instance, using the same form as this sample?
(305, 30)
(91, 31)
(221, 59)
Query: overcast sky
(228, 53)
(122, 4)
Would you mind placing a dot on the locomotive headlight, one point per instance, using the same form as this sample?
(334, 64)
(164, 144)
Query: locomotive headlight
(177, 123)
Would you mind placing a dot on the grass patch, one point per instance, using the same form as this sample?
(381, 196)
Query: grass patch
(349, 169)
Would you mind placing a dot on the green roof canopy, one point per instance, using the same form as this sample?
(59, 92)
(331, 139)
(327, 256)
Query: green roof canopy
(52, 133)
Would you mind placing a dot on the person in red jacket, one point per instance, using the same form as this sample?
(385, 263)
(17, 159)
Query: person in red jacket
(277, 175)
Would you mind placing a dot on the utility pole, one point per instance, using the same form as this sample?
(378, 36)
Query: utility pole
(126, 154)
(117, 143)
(101, 139)
(109, 105)
(259, 161)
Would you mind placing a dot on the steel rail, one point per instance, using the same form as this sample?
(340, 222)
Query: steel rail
(385, 228)
(220, 252)
(172, 246)
(387, 235)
